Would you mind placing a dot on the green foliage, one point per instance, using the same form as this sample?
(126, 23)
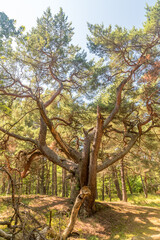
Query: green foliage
(152, 24)
(7, 32)
(7, 26)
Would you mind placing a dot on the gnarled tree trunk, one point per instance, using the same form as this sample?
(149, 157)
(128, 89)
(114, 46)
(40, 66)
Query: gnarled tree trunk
(90, 165)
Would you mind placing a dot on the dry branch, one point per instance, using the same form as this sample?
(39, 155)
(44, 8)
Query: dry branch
(84, 192)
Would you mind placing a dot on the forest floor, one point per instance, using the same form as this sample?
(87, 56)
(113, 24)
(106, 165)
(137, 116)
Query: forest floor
(113, 220)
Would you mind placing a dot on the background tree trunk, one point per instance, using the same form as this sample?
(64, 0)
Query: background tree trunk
(63, 182)
(43, 177)
(144, 187)
(129, 185)
(103, 180)
(38, 182)
(109, 190)
(124, 192)
(54, 179)
(116, 182)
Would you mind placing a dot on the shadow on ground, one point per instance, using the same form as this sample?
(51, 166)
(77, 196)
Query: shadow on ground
(112, 221)
(123, 221)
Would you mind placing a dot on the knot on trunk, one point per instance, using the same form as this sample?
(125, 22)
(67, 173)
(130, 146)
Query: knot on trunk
(84, 192)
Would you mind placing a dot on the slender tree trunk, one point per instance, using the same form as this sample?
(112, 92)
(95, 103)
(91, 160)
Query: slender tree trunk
(109, 191)
(55, 179)
(38, 182)
(103, 180)
(124, 192)
(53, 186)
(26, 190)
(29, 185)
(144, 188)
(63, 182)
(47, 177)
(43, 188)
(129, 185)
(67, 186)
(116, 182)
(3, 183)
(8, 186)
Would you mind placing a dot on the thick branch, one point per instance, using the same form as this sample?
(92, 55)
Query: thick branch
(28, 164)
(46, 104)
(119, 155)
(53, 157)
(18, 136)
(42, 132)
(140, 62)
(118, 97)
(70, 152)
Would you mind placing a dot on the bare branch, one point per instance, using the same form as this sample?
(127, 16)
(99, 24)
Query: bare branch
(18, 136)
(46, 104)
(53, 157)
(70, 152)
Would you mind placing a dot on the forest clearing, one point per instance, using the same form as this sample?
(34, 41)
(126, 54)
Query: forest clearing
(113, 220)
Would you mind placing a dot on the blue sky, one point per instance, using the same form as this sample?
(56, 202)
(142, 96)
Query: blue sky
(125, 13)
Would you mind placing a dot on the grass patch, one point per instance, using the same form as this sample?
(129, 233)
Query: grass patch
(153, 200)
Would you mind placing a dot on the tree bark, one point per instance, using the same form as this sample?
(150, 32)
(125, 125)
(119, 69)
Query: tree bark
(90, 201)
(109, 191)
(54, 179)
(3, 183)
(43, 188)
(75, 187)
(38, 182)
(144, 188)
(129, 185)
(47, 177)
(124, 193)
(63, 182)
(103, 179)
(116, 182)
